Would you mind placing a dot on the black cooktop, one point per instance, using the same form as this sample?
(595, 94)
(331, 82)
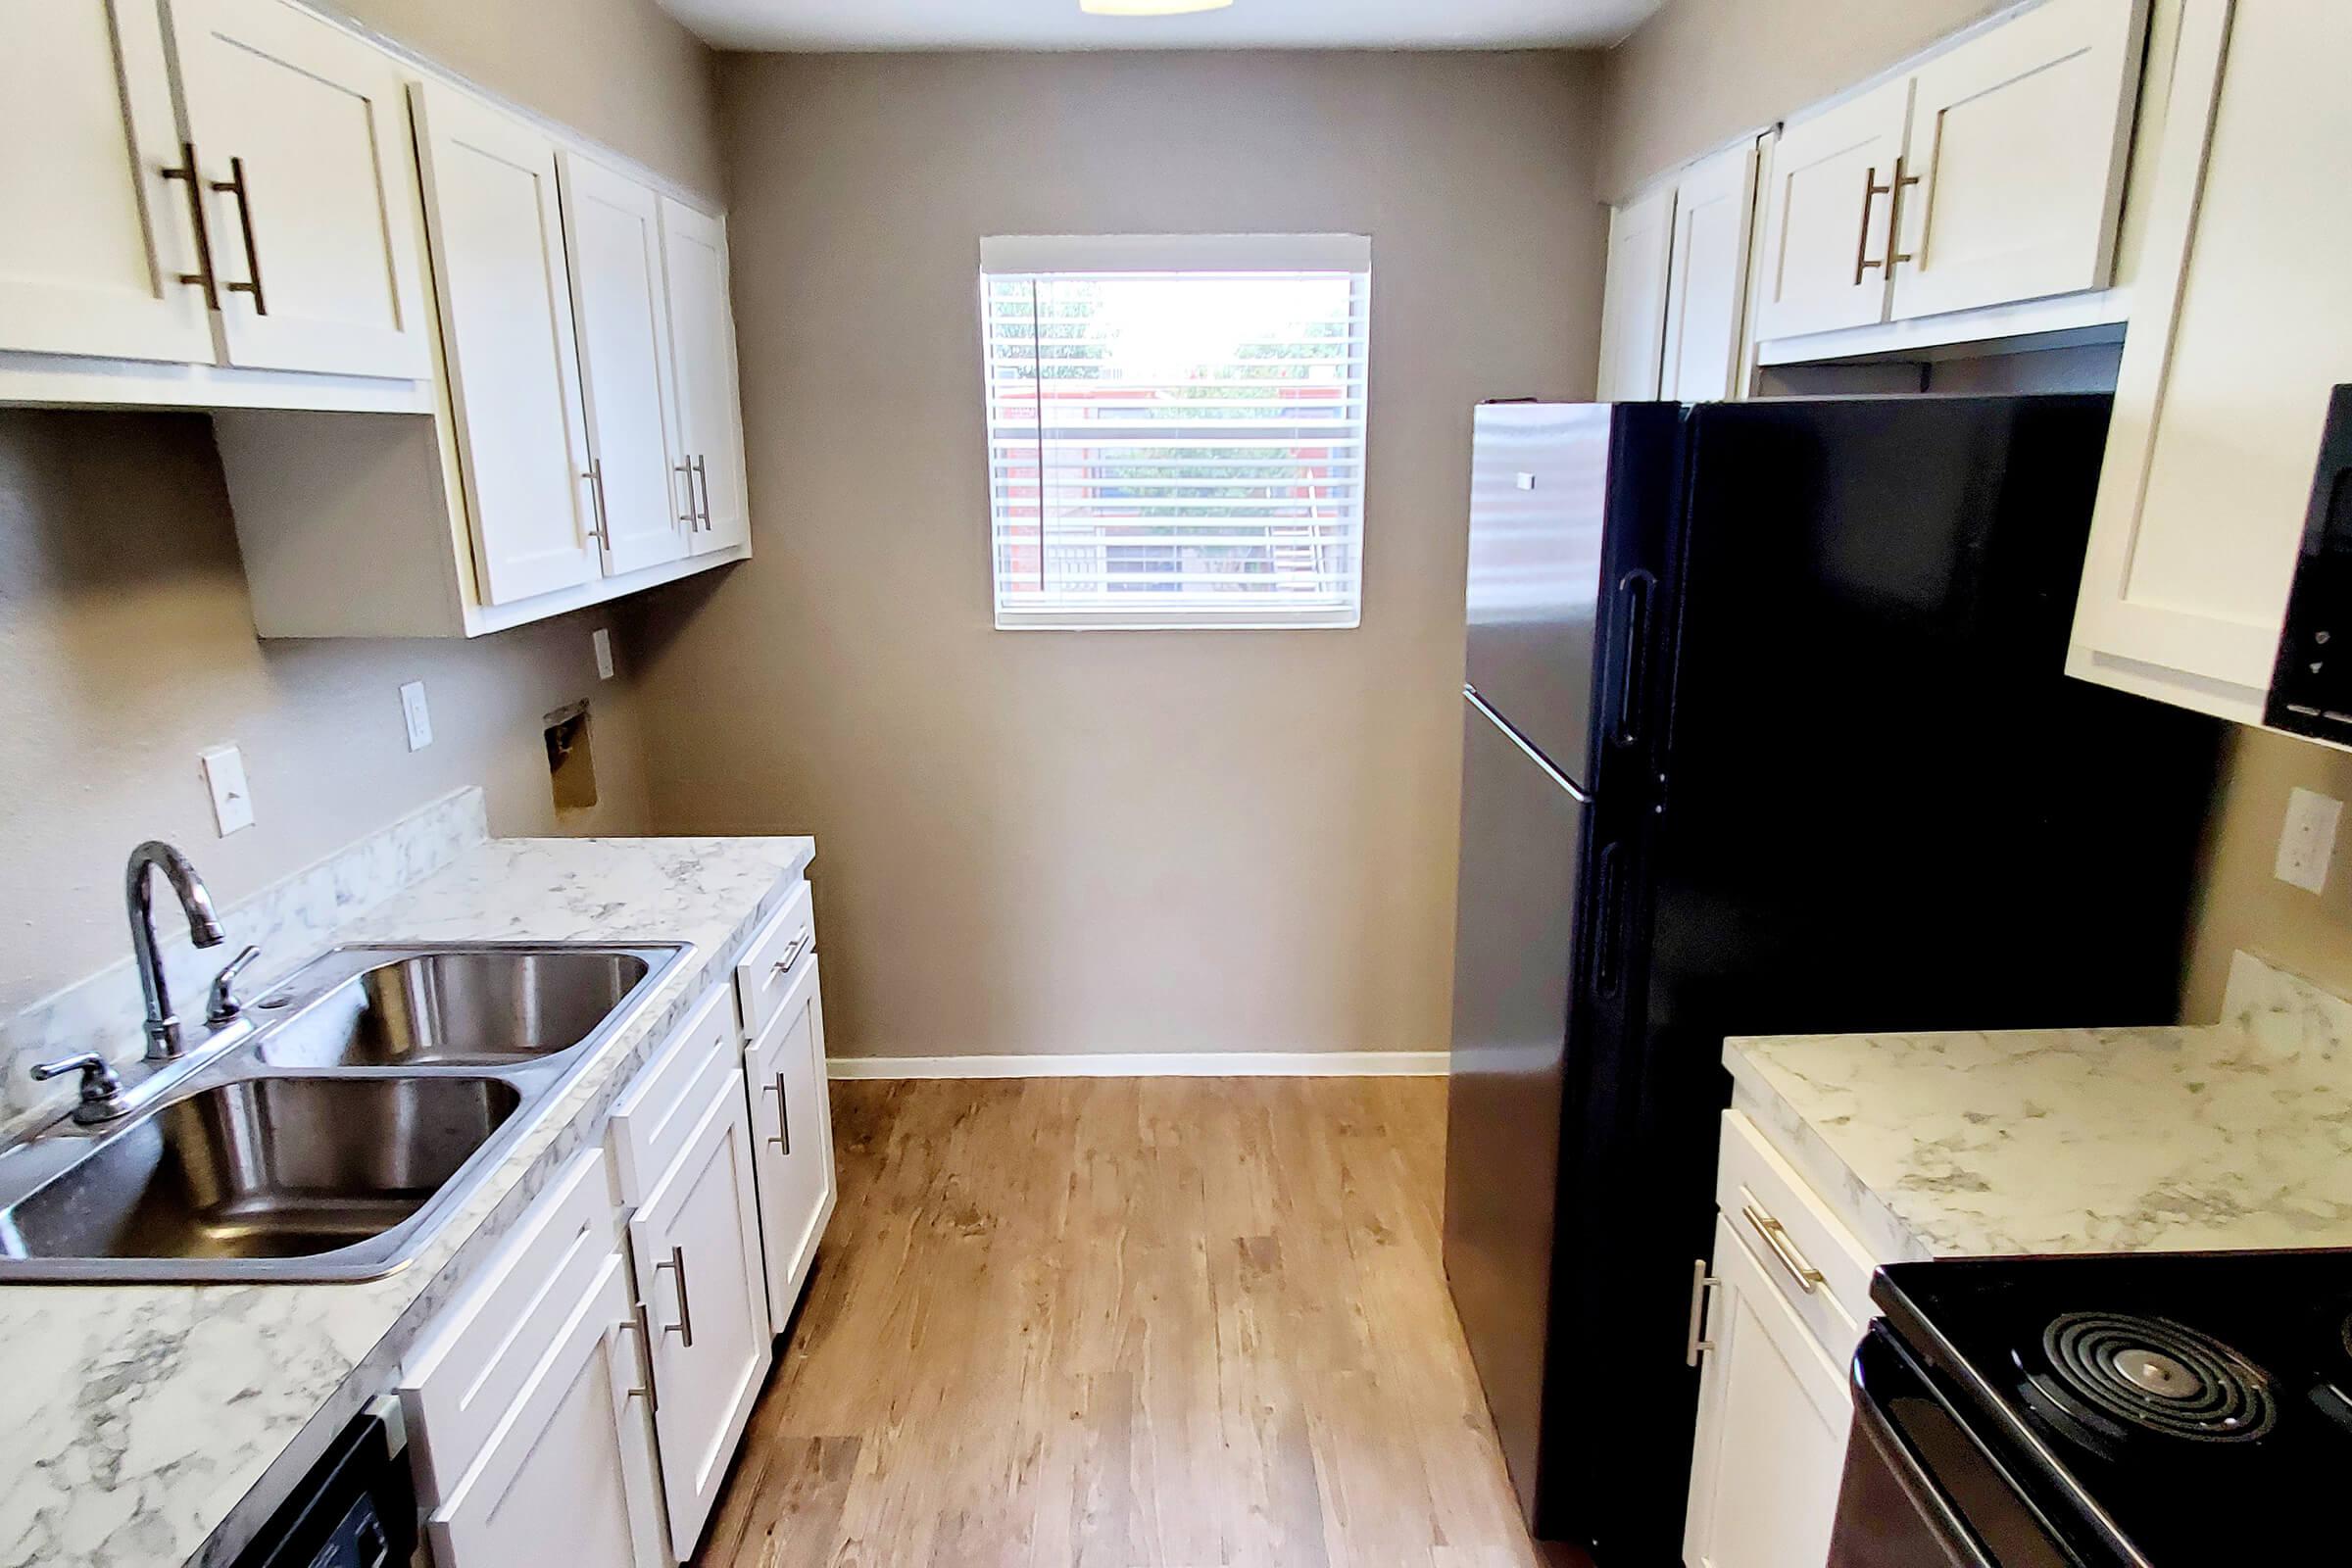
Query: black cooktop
(2160, 1409)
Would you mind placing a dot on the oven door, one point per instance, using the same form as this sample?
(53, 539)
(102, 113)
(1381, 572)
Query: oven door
(1920, 1490)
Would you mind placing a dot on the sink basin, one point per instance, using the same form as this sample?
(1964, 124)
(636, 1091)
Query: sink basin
(459, 1007)
(263, 1168)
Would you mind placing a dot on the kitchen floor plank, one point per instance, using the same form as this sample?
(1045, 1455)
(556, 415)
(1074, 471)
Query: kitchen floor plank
(1134, 1323)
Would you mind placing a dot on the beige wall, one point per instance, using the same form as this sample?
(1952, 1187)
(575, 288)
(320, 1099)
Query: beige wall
(1062, 842)
(2242, 904)
(126, 640)
(1700, 72)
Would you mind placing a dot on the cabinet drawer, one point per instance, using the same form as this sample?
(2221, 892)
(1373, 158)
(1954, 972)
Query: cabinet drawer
(656, 1114)
(774, 960)
(1784, 1223)
(480, 1352)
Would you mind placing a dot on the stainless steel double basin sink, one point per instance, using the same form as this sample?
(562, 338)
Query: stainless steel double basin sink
(327, 1133)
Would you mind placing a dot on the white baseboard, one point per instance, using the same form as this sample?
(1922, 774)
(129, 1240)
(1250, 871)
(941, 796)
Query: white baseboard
(1155, 1064)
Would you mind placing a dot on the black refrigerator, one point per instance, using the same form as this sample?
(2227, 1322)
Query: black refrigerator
(1765, 731)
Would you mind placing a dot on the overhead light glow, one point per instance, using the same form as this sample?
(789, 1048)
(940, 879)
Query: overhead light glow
(1148, 8)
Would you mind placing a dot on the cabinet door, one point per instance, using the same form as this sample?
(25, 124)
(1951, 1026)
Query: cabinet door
(97, 238)
(1773, 1415)
(568, 1481)
(696, 1242)
(311, 184)
(792, 1120)
(1633, 313)
(1828, 215)
(1706, 283)
(613, 235)
(507, 345)
(694, 258)
(2019, 138)
(2242, 326)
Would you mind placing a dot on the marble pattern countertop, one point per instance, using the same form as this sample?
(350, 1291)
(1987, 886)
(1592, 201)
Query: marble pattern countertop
(158, 1425)
(2236, 1135)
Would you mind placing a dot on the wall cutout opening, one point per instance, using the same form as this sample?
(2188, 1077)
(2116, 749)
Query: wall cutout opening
(570, 758)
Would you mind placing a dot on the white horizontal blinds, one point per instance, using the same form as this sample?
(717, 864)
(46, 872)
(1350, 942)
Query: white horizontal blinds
(1177, 445)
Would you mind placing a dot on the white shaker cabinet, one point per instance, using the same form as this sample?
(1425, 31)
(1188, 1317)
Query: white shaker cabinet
(526, 1399)
(309, 189)
(1773, 1411)
(1706, 276)
(99, 233)
(2018, 140)
(1835, 181)
(2241, 325)
(507, 339)
(1632, 321)
(613, 233)
(784, 1070)
(701, 323)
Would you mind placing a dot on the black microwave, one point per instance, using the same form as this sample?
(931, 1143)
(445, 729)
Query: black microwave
(2311, 685)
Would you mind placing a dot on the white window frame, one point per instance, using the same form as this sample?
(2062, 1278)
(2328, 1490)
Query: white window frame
(1094, 255)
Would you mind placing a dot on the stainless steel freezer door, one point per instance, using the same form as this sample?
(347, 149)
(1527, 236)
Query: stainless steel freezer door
(1538, 493)
(1522, 830)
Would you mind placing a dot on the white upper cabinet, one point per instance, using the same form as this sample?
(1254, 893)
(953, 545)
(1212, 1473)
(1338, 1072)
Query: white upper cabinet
(98, 235)
(1706, 278)
(1829, 215)
(310, 190)
(2019, 140)
(507, 337)
(613, 233)
(1633, 323)
(694, 251)
(1989, 174)
(2242, 326)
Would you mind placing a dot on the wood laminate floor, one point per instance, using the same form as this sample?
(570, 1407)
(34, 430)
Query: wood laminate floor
(1127, 1323)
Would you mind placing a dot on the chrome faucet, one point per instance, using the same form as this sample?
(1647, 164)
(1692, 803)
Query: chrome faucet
(204, 929)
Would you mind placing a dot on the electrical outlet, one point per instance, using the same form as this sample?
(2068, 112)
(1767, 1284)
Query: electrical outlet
(232, 798)
(418, 716)
(602, 641)
(2307, 844)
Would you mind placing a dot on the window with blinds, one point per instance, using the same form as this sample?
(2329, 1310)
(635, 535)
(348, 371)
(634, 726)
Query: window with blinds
(1176, 428)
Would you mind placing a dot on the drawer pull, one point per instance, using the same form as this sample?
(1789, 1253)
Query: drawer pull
(792, 954)
(683, 1328)
(645, 1340)
(783, 1117)
(1776, 1236)
(1701, 1282)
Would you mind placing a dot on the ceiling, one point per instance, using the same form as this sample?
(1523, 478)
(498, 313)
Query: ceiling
(869, 24)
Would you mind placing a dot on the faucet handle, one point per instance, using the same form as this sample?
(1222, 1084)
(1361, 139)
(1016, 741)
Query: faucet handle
(101, 1090)
(224, 1007)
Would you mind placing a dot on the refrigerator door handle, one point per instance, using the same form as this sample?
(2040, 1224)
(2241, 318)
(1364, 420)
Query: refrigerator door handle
(1637, 591)
(1608, 946)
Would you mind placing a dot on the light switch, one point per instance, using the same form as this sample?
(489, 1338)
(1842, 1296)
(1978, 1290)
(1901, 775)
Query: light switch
(418, 716)
(603, 642)
(232, 798)
(2307, 844)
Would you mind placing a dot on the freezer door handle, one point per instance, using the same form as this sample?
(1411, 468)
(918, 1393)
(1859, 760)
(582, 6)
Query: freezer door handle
(1608, 946)
(1637, 591)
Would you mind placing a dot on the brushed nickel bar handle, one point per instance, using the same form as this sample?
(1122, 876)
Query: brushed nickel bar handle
(1871, 190)
(235, 186)
(638, 1320)
(601, 528)
(1776, 1236)
(1894, 218)
(783, 1115)
(686, 472)
(204, 277)
(1701, 1282)
(702, 471)
(792, 954)
(683, 1328)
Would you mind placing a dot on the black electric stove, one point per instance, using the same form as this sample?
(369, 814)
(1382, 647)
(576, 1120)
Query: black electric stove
(2152, 1410)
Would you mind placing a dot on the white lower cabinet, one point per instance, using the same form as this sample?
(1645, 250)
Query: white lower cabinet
(784, 1070)
(526, 1401)
(1773, 1411)
(684, 1138)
